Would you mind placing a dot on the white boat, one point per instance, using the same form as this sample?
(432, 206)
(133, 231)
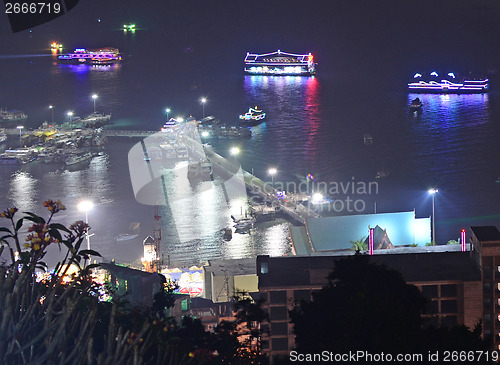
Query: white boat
(126, 237)
(75, 159)
(96, 117)
(12, 115)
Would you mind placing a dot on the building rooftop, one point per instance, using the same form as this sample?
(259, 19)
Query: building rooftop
(486, 233)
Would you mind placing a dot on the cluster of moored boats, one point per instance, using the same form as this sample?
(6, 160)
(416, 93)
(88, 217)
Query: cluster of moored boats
(66, 144)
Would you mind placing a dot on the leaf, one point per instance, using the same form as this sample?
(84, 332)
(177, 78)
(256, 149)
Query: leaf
(19, 224)
(56, 234)
(60, 227)
(34, 218)
(3, 229)
(90, 252)
(91, 266)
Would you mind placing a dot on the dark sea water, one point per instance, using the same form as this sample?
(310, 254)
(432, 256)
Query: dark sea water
(314, 125)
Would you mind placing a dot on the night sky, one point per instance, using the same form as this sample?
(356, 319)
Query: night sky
(351, 38)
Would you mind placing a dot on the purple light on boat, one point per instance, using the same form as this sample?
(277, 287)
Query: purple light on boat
(370, 241)
(463, 240)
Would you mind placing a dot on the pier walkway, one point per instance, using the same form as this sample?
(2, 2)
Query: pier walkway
(256, 186)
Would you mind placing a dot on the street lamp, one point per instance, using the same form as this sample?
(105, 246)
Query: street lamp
(272, 171)
(167, 111)
(85, 206)
(20, 127)
(51, 107)
(94, 97)
(433, 193)
(203, 101)
(69, 114)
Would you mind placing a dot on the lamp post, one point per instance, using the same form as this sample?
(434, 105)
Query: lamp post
(433, 193)
(69, 114)
(94, 97)
(20, 127)
(85, 206)
(203, 101)
(167, 111)
(272, 171)
(51, 107)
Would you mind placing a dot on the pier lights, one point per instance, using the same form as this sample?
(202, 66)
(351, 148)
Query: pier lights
(51, 107)
(317, 198)
(272, 171)
(20, 127)
(234, 151)
(70, 115)
(94, 97)
(85, 206)
(433, 192)
(168, 112)
(203, 101)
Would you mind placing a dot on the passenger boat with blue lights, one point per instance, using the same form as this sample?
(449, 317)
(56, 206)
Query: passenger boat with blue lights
(103, 56)
(253, 116)
(450, 83)
(280, 63)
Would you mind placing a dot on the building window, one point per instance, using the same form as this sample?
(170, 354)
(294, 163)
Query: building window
(432, 307)
(449, 290)
(449, 321)
(299, 295)
(279, 344)
(279, 313)
(264, 267)
(279, 329)
(430, 291)
(449, 306)
(277, 297)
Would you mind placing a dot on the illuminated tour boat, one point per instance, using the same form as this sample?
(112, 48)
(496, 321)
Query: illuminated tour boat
(279, 63)
(103, 56)
(447, 84)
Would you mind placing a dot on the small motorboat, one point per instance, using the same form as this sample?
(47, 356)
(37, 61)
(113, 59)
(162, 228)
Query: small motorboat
(416, 104)
(253, 116)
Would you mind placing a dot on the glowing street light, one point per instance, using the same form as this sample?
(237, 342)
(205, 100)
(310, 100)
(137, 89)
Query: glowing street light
(94, 97)
(85, 206)
(51, 107)
(20, 127)
(168, 112)
(272, 171)
(203, 101)
(69, 114)
(433, 193)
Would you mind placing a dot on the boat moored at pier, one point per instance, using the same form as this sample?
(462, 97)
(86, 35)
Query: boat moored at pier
(12, 115)
(449, 83)
(280, 63)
